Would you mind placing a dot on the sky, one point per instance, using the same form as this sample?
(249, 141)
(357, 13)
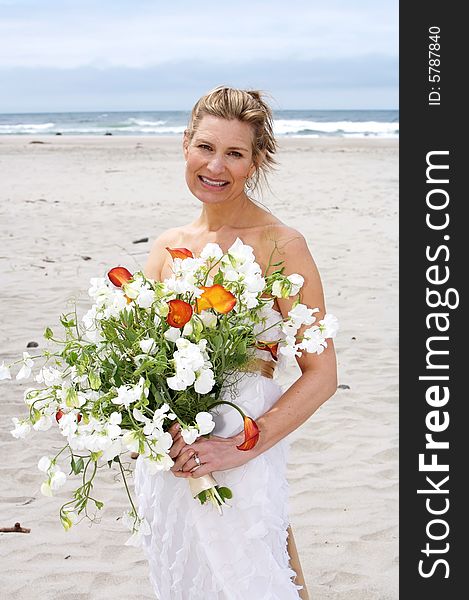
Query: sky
(63, 55)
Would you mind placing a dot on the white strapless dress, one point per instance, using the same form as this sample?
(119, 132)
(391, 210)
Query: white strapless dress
(196, 554)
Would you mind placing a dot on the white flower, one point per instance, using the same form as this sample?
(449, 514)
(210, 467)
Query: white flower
(161, 462)
(239, 254)
(148, 346)
(288, 286)
(329, 326)
(182, 380)
(302, 315)
(112, 428)
(204, 381)
(112, 450)
(139, 527)
(128, 394)
(98, 289)
(57, 480)
(44, 422)
(139, 291)
(46, 489)
(188, 329)
(49, 376)
(68, 424)
(297, 282)
(277, 288)
(205, 422)
(208, 319)
(131, 441)
(189, 434)
(172, 334)
(4, 372)
(211, 252)
(22, 428)
(44, 464)
(313, 340)
(289, 347)
(25, 370)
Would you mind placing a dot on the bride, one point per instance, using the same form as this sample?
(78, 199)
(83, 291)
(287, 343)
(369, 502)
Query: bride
(194, 553)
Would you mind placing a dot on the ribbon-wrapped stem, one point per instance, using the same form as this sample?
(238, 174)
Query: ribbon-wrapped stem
(206, 488)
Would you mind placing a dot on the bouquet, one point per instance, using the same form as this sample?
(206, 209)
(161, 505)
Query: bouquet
(150, 353)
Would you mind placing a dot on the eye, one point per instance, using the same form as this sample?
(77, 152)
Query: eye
(237, 154)
(204, 146)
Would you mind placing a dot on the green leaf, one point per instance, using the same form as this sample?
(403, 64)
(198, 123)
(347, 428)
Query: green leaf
(218, 279)
(225, 492)
(202, 497)
(48, 333)
(95, 380)
(99, 505)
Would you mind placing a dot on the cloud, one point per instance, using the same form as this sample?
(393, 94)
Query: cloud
(177, 85)
(144, 54)
(143, 34)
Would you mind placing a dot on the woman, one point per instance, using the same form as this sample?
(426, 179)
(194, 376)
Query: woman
(193, 553)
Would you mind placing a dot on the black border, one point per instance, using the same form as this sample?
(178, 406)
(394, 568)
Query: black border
(425, 128)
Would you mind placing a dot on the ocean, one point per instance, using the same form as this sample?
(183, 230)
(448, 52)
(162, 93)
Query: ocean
(293, 123)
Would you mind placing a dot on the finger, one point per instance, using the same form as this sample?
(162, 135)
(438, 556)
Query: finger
(174, 429)
(183, 474)
(204, 469)
(176, 448)
(182, 459)
(191, 464)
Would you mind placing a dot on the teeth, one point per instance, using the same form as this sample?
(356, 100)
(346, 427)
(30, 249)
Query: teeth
(210, 182)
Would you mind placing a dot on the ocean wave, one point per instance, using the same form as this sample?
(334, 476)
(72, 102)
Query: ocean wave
(26, 127)
(358, 128)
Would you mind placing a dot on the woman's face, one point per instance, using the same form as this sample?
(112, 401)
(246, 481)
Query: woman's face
(219, 158)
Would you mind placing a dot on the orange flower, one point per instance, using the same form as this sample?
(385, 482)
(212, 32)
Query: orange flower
(119, 276)
(251, 434)
(180, 313)
(271, 347)
(216, 297)
(180, 252)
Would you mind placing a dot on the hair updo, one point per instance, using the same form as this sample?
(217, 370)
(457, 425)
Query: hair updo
(247, 106)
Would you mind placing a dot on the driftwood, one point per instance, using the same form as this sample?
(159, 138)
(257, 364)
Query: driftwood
(15, 529)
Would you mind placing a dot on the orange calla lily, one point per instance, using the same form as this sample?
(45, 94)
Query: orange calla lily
(251, 434)
(119, 276)
(180, 252)
(217, 297)
(180, 313)
(271, 347)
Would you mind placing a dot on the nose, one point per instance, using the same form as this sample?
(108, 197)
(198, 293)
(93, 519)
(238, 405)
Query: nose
(216, 164)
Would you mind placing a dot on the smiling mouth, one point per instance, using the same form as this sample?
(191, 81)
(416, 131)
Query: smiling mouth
(215, 183)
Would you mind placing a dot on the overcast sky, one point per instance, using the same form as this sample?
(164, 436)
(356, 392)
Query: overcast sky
(151, 54)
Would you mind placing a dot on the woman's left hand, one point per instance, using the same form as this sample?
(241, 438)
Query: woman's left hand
(215, 454)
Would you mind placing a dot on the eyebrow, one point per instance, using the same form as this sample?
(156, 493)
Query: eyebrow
(203, 141)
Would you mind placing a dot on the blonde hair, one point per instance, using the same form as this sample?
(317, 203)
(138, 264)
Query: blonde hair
(247, 106)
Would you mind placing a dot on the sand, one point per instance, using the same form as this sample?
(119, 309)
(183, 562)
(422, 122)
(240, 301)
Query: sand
(71, 208)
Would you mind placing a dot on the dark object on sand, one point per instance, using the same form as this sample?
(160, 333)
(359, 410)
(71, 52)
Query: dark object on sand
(108, 133)
(140, 241)
(32, 345)
(343, 386)
(36, 142)
(15, 529)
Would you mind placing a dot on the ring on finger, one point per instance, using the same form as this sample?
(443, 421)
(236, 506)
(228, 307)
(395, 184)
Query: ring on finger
(197, 459)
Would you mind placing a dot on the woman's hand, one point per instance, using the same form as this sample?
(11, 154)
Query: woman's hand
(215, 454)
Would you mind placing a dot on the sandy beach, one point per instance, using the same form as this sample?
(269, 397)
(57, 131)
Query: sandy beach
(71, 208)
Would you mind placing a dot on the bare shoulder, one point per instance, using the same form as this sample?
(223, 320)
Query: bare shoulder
(157, 256)
(285, 243)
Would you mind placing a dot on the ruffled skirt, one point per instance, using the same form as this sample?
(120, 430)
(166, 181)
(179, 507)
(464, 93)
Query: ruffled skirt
(196, 554)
